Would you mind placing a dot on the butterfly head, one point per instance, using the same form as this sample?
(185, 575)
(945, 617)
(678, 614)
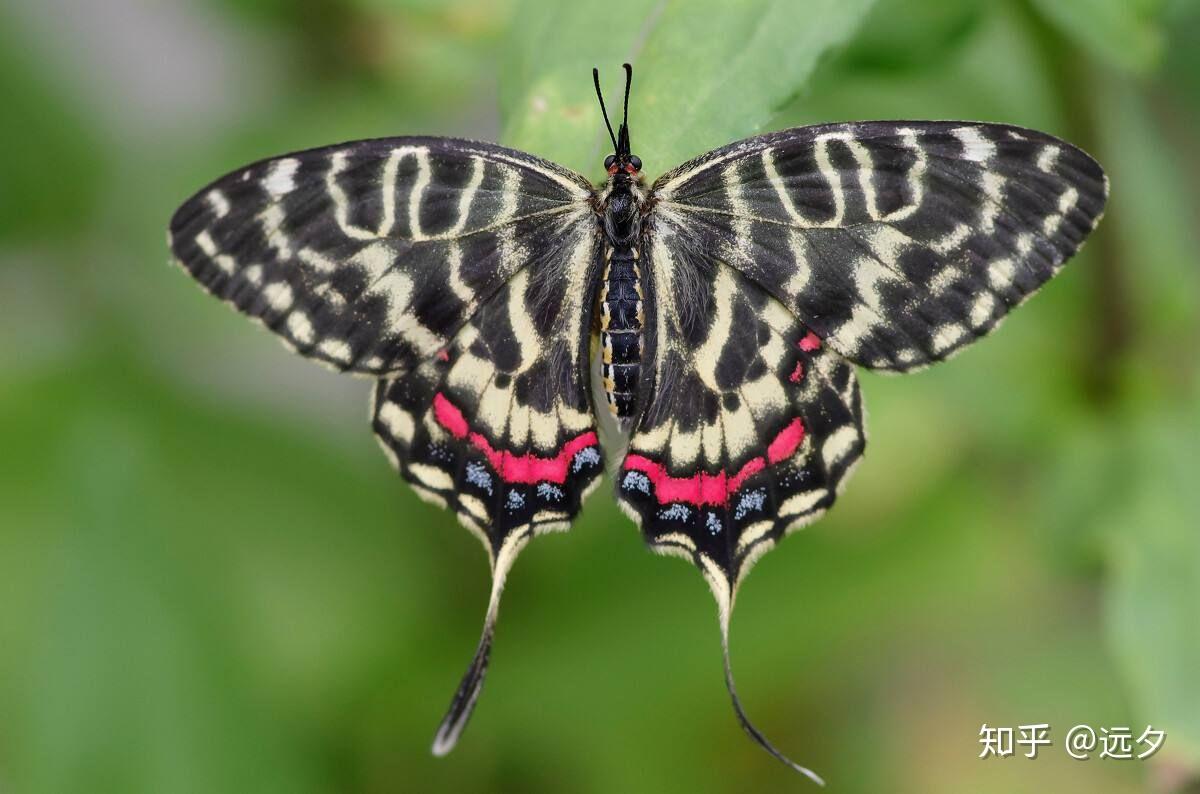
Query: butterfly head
(621, 163)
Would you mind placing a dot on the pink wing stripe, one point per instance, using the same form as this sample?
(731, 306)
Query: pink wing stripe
(526, 469)
(715, 489)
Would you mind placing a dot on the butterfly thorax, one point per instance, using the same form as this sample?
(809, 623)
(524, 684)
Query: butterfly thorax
(622, 212)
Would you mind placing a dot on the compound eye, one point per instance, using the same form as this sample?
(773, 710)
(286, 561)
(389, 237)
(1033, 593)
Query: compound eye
(636, 162)
(608, 161)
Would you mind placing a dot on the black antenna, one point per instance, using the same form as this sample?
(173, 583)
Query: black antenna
(600, 96)
(628, 82)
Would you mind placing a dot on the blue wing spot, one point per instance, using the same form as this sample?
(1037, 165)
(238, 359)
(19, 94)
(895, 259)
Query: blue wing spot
(636, 481)
(441, 452)
(675, 512)
(478, 476)
(551, 492)
(588, 456)
(753, 500)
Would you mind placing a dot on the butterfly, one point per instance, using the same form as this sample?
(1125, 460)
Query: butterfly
(506, 307)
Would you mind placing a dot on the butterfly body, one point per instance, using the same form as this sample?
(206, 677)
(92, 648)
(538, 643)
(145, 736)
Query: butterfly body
(621, 209)
(621, 320)
(729, 302)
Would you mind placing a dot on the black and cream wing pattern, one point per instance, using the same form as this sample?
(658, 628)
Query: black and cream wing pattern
(779, 262)
(897, 242)
(476, 285)
(458, 275)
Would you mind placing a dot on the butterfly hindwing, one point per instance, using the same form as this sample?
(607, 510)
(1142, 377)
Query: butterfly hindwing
(370, 255)
(896, 242)
(751, 424)
(498, 425)
(750, 428)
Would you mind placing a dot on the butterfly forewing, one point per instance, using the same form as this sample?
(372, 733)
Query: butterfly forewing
(370, 255)
(897, 242)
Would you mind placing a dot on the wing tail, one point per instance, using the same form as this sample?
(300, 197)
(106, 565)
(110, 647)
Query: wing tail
(463, 703)
(751, 428)
(754, 733)
(497, 426)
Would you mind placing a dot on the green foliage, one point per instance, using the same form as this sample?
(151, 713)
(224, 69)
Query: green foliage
(718, 71)
(910, 35)
(1124, 33)
(212, 581)
(1153, 550)
(49, 174)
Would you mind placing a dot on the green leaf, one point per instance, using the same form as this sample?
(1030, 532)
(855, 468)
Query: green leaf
(906, 35)
(1153, 601)
(705, 73)
(1124, 33)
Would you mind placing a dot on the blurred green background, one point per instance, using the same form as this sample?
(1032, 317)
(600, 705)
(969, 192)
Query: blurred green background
(211, 581)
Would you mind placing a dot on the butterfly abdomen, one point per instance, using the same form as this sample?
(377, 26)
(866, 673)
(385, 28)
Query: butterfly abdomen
(621, 329)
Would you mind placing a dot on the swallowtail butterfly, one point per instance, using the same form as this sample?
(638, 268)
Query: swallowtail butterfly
(726, 306)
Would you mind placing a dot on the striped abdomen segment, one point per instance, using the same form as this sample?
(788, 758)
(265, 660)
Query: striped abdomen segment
(621, 330)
